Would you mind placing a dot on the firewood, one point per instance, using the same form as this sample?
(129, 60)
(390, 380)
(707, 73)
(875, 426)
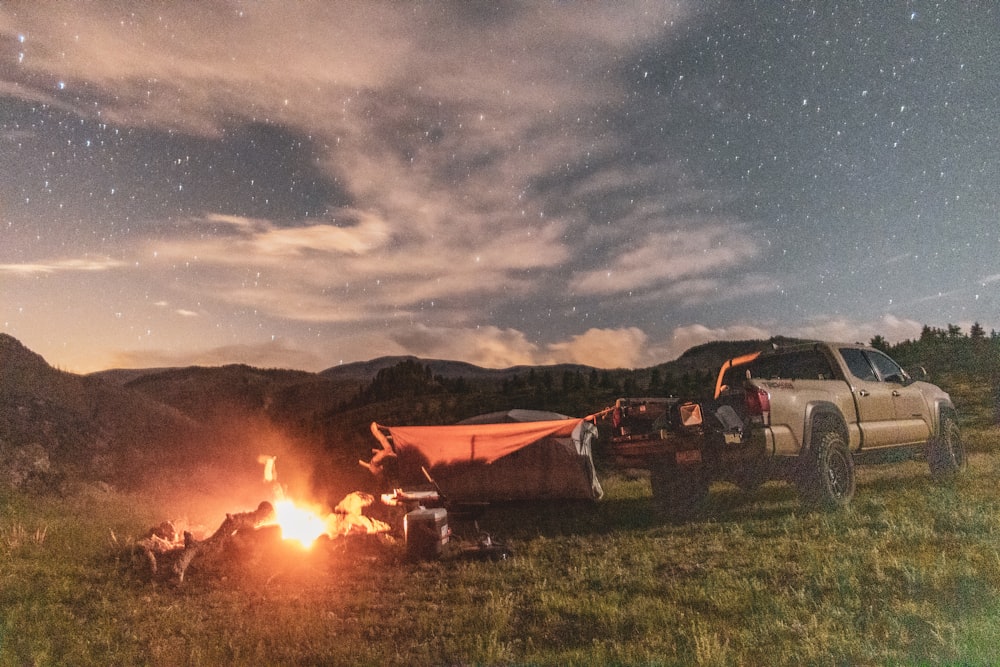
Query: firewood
(233, 524)
(163, 544)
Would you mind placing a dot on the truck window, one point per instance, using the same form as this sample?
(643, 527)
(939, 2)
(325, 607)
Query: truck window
(799, 365)
(858, 364)
(885, 366)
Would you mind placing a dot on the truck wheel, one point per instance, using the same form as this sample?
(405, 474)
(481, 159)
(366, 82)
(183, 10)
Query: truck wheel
(946, 451)
(678, 493)
(826, 478)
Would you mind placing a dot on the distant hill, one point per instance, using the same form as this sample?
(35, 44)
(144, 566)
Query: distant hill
(169, 428)
(121, 376)
(207, 392)
(367, 370)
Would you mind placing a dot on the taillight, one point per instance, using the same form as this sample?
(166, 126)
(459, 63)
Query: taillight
(758, 403)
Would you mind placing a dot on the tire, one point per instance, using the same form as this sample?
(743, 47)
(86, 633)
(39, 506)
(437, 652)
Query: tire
(678, 493)
(946, 451)
(826, 477)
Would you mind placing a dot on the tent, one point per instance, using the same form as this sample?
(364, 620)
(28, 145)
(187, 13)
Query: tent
(514, 455)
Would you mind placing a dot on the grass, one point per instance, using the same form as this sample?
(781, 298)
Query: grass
(910, 573)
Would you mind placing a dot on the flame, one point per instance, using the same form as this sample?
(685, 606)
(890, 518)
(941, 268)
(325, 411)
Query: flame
(306, 523)
(268, 462)
(298, 523)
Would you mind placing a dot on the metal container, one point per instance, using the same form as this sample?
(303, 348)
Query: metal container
(426, 532)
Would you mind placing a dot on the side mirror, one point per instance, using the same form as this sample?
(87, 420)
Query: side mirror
(917, 374)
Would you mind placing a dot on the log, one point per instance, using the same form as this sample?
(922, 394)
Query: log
(233, 524)
(160, 540)
(162, 543)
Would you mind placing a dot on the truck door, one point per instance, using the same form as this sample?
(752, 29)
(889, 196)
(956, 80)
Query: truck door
(874, 401)
(912, 416)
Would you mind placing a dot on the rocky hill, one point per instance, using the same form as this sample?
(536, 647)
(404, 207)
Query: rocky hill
(55, 426)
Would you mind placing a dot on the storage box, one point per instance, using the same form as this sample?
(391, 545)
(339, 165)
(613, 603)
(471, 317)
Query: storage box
(426, 532)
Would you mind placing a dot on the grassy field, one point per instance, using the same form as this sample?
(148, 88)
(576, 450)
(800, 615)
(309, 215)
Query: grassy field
(909, 574)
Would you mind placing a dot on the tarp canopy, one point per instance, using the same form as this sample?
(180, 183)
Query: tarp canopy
(512, 460)
(515, 415)
(463, 443)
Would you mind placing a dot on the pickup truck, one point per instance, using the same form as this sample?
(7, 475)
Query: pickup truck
(804, 414)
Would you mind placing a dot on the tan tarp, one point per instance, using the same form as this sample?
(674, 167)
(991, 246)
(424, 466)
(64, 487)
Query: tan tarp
(463, 443)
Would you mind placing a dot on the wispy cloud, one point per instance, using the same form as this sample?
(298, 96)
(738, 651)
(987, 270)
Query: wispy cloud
(662, 257)
(360, 271)
(62, 266)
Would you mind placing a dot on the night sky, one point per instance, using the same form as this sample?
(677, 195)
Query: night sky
(301, 184)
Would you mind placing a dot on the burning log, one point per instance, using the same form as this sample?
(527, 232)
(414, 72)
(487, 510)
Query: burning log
(164, 543)
(233, 524)
(167, 553)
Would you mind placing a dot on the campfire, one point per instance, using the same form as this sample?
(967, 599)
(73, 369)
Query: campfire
(286, 527)
(306, 522)
(169, 551)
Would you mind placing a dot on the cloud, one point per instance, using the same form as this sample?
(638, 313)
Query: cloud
(62, 266)
(691, 335)
(662, 257)
(444, 168)
(426, 168)
(328, 239)
(834, 329)
(361, 272)
(489, 347)
(325, 64)
(492, 347)
(604, 348)
(846, 330)
(694, 292)
(252, 241)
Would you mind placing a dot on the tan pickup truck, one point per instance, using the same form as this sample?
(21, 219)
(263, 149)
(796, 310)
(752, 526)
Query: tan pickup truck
(805, 414)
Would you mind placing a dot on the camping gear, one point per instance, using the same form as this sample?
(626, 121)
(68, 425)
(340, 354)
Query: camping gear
(488, 461)
(426, 532)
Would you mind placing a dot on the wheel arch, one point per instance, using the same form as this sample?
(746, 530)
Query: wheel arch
(822, 415)
(943, 408)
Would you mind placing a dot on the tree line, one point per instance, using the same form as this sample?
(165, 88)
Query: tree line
(949, 351)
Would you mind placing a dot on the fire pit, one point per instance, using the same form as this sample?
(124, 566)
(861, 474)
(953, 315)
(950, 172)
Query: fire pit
(284, 533)
(167, 552)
